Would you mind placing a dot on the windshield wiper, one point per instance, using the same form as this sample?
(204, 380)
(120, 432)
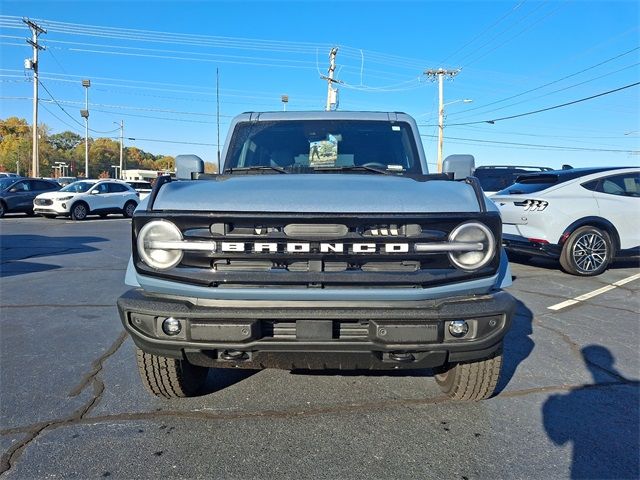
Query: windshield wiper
(255, 168)
(351, 168)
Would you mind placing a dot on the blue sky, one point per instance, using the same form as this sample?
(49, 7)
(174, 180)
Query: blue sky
(153, 65)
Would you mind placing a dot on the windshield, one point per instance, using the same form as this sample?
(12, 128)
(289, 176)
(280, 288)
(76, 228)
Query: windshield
(6, 181)
(494, 180)
(531, 184)
(78, 187)
(323, 145)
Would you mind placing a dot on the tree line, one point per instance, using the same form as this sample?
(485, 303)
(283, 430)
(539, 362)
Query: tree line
(69, 147)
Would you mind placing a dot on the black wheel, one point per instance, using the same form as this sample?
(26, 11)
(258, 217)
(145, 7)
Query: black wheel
(471, 380)
(3, 209)
(587, 252)
(170, 377)
(79, 211)
(129, 208)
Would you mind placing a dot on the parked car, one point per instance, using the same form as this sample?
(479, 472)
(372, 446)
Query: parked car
(64, 181)
(142, 187)
(585, 217)
(88, 197)
(9, 175)
(17, 194)
(494, 178)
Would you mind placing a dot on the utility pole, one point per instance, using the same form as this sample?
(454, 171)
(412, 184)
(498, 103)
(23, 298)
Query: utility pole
(36, 30)
(85, 114)
(218, 114)
(121, 145)
(332, 93)
(440, 73)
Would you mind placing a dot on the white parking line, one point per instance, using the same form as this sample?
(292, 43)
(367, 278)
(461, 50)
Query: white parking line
(587, 296)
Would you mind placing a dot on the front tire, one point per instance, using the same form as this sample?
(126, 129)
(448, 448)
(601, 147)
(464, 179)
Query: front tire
(128, 209)
(79, 211)
(170, 377)
(471, 381)
(587, 252)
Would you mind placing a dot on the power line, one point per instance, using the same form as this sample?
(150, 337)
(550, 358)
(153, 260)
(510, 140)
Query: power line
(544, 109)
(549, 14)
(550, 83)
(169, 141)
(558, 147)
(490, 27)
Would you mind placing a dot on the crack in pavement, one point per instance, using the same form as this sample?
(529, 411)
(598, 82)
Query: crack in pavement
(295, 412)
(10, 457)
(575, 349)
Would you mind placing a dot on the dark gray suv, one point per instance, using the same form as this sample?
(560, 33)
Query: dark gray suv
(17, 194)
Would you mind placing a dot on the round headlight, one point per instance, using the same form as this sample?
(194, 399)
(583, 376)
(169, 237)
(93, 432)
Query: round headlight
(477, 233)
(150, 239)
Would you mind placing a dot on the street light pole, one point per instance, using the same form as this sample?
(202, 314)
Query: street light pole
(85, 114)
(121, 145)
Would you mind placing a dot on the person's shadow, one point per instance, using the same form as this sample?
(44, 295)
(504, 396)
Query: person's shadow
(602, 420)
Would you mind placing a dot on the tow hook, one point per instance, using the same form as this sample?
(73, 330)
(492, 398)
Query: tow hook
(234, 355)
(402, 357)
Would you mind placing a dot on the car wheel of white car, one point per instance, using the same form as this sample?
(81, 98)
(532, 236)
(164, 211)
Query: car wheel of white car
(129, 208)
(79, 211)
(587, 252)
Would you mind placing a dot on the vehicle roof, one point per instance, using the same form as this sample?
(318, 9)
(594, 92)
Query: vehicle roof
(323, 115)
(566, 175)
(490, 167)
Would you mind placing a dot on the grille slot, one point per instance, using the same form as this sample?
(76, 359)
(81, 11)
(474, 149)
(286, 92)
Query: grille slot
(344, 330)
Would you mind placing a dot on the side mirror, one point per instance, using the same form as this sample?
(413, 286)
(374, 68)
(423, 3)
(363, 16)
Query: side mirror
(94, 192)
(188, 167)
(462, 166)
(13, 190)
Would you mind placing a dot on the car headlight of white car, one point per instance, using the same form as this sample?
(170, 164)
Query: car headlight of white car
(472, 232)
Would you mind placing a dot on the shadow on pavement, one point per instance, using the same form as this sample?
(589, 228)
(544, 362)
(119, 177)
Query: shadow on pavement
(602, 423)
(17, 251)
(221, 378)
(518, 345)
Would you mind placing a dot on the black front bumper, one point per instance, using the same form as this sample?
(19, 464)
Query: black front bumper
(522, 245)
(324, 335)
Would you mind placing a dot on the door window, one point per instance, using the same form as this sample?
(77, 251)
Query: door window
(626, 185)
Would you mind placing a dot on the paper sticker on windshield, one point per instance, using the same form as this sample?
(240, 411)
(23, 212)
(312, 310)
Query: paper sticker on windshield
(323, 153)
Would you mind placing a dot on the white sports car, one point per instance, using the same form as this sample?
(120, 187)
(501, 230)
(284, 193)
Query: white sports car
(585, 217)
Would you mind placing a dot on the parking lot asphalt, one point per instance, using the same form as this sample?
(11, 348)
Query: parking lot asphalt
(72, 404)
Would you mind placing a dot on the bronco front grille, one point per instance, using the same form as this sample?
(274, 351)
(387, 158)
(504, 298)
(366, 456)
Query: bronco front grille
(294, 250)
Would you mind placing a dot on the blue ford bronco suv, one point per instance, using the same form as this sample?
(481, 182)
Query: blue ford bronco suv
(324, 243)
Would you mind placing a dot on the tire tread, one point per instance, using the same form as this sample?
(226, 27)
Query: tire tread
(169, 377)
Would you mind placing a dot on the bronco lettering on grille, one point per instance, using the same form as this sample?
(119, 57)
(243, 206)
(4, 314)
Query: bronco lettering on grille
(306, 247)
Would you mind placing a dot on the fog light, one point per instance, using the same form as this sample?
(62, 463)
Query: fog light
(171, 326)
(458, 328)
